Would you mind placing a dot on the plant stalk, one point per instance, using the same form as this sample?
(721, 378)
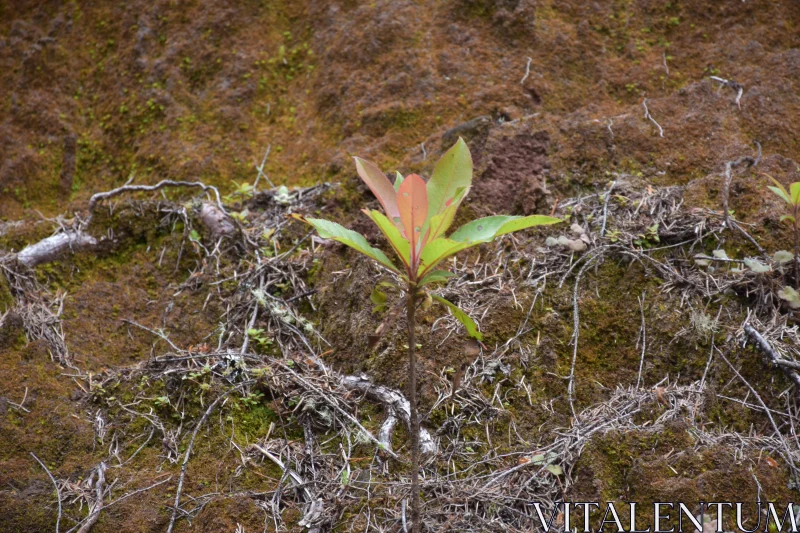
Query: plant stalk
(412, 400)
(796, 236)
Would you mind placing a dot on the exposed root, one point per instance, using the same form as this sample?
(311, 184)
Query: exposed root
(396, 405)
(55, 246)
(100, 487)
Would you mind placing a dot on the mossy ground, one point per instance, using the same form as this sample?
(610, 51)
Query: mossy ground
(95, 93)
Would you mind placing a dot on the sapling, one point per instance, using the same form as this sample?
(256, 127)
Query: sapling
(792, 198)
(416, 215)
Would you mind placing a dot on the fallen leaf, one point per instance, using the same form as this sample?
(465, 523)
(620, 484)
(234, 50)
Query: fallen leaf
(661, 396)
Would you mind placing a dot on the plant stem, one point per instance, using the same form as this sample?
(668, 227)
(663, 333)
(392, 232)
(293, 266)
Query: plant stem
(412, 400)
(796, 232)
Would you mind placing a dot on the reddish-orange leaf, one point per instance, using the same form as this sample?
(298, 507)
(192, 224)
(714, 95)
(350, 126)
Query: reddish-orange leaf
(412, 202)
(380, 186)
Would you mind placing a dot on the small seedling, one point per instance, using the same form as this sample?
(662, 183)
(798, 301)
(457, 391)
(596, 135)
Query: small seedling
(792, 199)
(416, 215)
(243, 190)
(257, 334)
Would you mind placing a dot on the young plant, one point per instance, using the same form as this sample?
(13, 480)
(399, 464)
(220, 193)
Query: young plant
(792, 199)
(416, 216)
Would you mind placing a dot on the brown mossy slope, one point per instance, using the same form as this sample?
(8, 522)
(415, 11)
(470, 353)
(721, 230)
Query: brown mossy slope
(549, 95)
(97, 92)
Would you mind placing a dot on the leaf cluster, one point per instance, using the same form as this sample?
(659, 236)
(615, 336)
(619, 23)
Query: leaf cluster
(416, 218)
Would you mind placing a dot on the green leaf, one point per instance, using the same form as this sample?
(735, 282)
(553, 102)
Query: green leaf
(780, 190)
(476, 232)
(400, 244)
(555, 470)
(356, 241)
(379, 299)
(488, 228)
(380, 186)
(452, 172)
(439, 223)
(435, 277)
(794, 189)
(782, 193)
(438, 250)
(461, 316)
(398, 181)
(790, 218)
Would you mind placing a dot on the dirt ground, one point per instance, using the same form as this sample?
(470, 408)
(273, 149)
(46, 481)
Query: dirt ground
(619, 116)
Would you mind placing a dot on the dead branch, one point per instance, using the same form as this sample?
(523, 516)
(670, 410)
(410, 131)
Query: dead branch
(188, 454)
(648, 116)
(100, 485)
(527, 71)
(341, 411)
(260, 170)
(738, 87)
(747, 160)
(789, 455)
(788, 367)
(58, 491)
(52, 247)
(605, 206)
(297, 480)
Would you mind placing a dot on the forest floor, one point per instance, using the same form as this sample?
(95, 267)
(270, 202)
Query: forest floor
(180, 360)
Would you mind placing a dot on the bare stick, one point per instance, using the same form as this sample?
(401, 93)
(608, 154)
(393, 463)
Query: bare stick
(647, 115)
(605, 205)
(50, 248)
(726, 185)
(186, 458)
(766, 410)
(58, 492)
(341, 411)
(576, 323)
(644, 340)
(736, 86)
(249, 327)
(527, 72)
(412, 397)
(764, 345)
(125, 497)
(260, 170)
(297, 481)
(99, 486)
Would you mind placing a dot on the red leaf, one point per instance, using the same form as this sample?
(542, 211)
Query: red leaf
(412, 201)
(380, 186)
